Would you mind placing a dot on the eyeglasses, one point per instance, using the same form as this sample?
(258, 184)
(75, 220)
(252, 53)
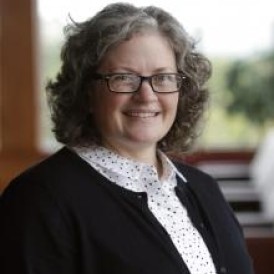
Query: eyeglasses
(129, 82)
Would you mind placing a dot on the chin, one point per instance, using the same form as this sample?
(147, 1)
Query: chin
(145, 139)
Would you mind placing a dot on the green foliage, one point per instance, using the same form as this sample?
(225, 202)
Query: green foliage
(251, 84)
(222, 130)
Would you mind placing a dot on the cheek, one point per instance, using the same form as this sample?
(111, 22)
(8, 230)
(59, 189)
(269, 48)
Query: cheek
(172, 104)
(106, 104)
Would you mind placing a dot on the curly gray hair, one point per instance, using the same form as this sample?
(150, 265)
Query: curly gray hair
(85, 46)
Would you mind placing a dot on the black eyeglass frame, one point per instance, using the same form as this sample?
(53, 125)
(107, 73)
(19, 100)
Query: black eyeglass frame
(106, 77)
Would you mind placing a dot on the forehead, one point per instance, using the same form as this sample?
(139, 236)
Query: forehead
(142, 50)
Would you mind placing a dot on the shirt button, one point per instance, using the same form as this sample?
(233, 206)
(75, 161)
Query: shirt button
(202, 225)
(223, 269)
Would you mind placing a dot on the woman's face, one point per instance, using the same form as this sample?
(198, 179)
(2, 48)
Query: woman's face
(131, 122)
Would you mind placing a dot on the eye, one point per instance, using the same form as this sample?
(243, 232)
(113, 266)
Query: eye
(124, 78)
(164, 78)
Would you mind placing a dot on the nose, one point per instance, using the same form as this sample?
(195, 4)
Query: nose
(145, 92)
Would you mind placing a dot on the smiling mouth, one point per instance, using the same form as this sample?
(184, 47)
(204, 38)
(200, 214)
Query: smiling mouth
(141, 114)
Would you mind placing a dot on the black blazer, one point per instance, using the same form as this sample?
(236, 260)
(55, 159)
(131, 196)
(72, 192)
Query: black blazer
(62, 216)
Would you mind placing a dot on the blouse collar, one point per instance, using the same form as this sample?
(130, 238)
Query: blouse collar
(103, 158)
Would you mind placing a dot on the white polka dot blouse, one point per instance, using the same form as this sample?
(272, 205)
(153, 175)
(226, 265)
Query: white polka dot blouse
(162, 200)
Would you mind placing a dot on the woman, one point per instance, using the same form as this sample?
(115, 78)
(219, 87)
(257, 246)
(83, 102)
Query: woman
(131, 86)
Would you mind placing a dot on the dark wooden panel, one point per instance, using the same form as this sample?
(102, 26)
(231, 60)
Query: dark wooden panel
(18, 94)
(11, 164)
(262, 252)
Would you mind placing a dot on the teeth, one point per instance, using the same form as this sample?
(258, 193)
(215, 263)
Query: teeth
(142, 114)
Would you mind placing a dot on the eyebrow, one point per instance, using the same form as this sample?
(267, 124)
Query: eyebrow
(165, 69)
(134, 71)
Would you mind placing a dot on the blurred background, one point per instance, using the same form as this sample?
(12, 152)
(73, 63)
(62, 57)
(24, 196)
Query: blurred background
(236, 145)
(237, 36)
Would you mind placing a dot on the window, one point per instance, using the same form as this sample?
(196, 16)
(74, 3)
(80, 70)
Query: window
(224, 33)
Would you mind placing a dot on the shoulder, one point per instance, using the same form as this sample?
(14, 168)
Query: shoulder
(201, 183)
(62, 164)
(62, 187)
(58, 175)
(58, 164)
(193, 174)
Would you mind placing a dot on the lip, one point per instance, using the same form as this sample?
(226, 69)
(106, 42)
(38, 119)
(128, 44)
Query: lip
(142, 113)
